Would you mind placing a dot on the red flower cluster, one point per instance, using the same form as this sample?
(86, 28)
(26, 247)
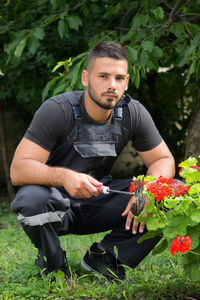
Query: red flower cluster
(180, 244)
(161, 188)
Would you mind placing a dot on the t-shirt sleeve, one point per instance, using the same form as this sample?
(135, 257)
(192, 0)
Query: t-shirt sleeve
(145, 135)
(47, 125)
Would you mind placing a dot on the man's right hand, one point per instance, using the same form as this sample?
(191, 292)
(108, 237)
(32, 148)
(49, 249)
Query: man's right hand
(80, 185)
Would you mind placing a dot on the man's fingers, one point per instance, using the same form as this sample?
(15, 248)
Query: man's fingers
(128, 207)
(127, 210)
(135, 226)
(142, 226)
(128, 220)
(94, 182)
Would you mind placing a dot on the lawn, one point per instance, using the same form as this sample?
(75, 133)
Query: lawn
(157, 277)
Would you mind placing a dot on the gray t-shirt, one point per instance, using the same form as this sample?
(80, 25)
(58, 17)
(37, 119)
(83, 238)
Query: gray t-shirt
(54, 120)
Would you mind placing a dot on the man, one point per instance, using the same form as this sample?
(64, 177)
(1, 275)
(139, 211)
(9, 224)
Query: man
(66, 157)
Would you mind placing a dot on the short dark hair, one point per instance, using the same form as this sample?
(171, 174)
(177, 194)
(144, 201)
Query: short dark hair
(107, 49)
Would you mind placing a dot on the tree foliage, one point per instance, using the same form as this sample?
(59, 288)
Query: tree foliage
(44, 45)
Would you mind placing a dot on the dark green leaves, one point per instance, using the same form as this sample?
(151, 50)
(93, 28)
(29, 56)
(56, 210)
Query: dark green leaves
(159, 13)
(74, 22)
(39, 33)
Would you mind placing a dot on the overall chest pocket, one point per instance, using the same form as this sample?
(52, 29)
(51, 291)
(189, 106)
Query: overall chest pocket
(96, 148)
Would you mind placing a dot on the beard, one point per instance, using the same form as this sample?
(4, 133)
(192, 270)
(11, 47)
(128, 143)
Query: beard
(109, 103)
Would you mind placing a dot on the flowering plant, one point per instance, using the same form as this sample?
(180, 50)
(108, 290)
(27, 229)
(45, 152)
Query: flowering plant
(174, 212)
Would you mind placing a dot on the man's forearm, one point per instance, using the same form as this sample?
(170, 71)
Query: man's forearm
(29, 171)
(163, 167)
(78, 185)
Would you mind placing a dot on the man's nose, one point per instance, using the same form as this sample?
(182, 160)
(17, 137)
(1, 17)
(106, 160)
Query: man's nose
(112, 84)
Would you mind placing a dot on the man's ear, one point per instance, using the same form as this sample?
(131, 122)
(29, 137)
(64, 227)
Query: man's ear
(84, 78)
(127, 80)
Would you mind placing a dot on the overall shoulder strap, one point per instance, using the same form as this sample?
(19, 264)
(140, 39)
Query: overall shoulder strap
(75, 99)
(118, 110)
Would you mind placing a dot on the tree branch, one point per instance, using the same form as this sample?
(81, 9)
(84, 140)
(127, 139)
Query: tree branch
(175, 6)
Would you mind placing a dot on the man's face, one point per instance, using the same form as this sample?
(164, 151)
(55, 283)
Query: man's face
(106, 80)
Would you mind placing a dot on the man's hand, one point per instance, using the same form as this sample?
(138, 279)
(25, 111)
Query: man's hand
(129, 215)
(80, 185)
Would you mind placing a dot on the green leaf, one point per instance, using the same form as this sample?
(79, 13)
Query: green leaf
(198, 71)
(54, 4)
(33, 45)
(194, 189)
(74, 22)
(59, 89)
(132, 53)
(144, 57)
(192, 67)
(191, 265)
(194, 233)
(191, 161)
(171, 232)
(76, 76)
(62, 63)
(39, 33)
(153, 63)
(159, 13)
(160, 247)
(147, 45)
(181, 61)
(94, 8)
(174, 221)
(157, 51)
(192, 271)
(195, 215)
(61, 28)
(50, 20)
(1, 73)
(168, 203)
(136, 76)
(20, 47)
(46, 91)
(150, 234)
(155, 223)
(177, 30)
(195, 40)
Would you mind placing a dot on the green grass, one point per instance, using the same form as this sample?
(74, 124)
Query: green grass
(157, 277)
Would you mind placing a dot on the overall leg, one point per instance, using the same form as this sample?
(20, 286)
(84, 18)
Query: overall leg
(42, 212)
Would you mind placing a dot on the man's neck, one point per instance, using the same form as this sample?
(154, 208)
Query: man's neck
(97, 113)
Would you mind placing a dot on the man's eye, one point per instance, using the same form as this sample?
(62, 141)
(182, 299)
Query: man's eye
(103, 76)
(120, 78)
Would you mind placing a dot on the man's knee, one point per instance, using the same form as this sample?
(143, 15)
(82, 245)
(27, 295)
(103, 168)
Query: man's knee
(30, 199)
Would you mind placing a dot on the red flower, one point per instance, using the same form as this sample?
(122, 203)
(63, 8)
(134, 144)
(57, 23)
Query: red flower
(159, 190)
(196, 168)
(181, 169)
(193, 167)
(180, 189)
(132, 186)
(180, 244)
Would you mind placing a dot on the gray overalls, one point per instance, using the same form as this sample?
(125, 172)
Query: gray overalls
(45, 213)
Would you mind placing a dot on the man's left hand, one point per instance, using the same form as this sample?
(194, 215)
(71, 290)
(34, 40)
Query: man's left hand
(130, 216)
